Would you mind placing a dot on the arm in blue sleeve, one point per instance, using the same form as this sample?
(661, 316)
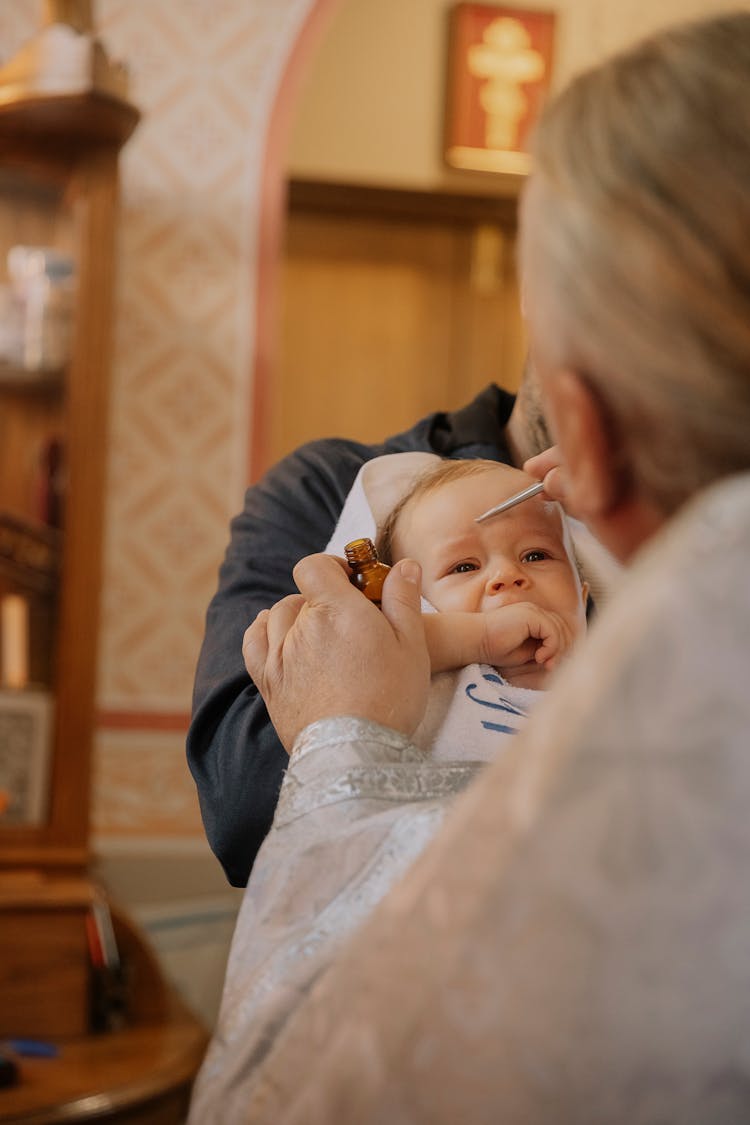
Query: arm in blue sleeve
(233, 751)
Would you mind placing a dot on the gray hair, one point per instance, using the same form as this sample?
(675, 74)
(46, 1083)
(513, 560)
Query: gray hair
(644, 163)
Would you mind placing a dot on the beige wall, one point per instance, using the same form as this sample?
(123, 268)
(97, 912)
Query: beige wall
(371, 110)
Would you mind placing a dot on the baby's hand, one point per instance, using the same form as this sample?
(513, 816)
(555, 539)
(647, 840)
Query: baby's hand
(523, 633)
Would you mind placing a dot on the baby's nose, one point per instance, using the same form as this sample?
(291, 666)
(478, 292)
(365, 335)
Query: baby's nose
(506, 576)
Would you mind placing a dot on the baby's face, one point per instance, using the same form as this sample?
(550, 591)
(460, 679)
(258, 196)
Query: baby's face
(518, 556)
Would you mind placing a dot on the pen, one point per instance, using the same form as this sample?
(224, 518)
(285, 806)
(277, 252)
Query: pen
(32, 1048)
(532, 490)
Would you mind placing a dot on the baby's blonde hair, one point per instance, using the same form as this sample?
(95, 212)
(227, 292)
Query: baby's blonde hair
(443, 473)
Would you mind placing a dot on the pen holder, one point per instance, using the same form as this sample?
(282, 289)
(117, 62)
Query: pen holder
(109, 996)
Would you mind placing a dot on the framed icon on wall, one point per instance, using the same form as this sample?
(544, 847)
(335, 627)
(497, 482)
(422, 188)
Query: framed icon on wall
(499, 69)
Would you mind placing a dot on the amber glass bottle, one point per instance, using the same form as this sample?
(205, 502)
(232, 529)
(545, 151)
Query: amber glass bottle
(368, 573)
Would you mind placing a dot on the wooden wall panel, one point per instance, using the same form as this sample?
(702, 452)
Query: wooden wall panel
(385, 319)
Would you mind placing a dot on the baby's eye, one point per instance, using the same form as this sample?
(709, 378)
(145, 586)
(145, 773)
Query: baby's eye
(464, 567)
(535, 556)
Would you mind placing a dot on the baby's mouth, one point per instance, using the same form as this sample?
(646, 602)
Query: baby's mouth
(507, 597)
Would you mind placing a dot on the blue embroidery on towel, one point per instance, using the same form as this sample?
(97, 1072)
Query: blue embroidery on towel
(499, 703)
(499, 727)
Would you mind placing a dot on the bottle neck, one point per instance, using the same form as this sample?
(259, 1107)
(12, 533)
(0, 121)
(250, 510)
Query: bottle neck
(360, 553)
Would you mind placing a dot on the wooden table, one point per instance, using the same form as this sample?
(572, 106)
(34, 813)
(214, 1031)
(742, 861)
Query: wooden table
(140, 1074)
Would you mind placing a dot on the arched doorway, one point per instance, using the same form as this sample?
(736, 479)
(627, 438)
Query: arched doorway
(385, 303)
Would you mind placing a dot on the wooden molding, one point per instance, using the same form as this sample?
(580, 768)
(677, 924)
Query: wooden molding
(411, 206)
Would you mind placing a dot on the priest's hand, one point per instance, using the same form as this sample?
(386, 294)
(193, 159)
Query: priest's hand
(329, 651)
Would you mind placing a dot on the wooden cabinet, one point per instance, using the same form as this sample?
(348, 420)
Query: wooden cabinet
(58, 191)
(45, 970)
(58, 195)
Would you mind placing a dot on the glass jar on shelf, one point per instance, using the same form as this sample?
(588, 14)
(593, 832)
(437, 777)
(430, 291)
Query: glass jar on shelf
(36, 310)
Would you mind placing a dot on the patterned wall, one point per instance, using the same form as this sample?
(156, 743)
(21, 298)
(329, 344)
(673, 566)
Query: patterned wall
(204, 73)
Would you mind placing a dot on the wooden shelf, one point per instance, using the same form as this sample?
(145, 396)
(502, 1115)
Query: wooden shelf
(59, 170)
(80, 121)
(30, 381)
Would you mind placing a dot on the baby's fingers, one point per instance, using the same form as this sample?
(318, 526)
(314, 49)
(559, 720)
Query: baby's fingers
(555, 640)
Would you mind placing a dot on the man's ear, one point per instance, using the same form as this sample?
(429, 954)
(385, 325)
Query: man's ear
(592, 464)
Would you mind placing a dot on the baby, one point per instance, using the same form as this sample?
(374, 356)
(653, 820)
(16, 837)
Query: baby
(508, 590)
